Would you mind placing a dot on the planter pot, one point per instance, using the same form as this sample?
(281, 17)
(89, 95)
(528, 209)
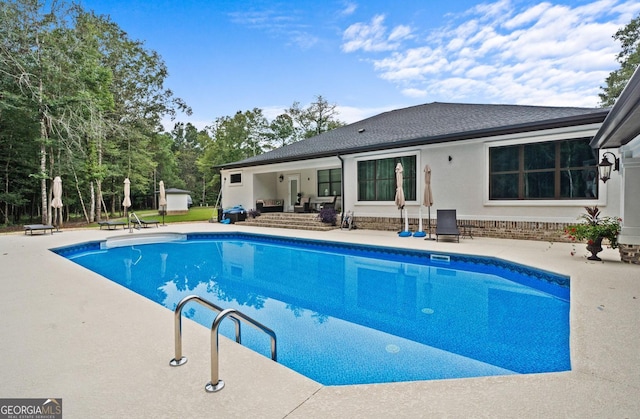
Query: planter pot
(595, 248)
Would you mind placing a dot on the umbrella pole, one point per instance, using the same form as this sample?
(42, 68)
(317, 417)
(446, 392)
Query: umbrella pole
(429, 224)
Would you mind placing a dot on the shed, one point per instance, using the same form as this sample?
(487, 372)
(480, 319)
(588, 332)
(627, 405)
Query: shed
(178, 201)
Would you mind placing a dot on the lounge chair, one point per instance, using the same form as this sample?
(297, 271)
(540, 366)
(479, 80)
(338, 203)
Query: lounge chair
(38, 227)
(147, 223)
(111, 225)
(447, 224)
(144, 223)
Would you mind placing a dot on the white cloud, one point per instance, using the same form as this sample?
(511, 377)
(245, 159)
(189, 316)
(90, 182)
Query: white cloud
(399, 33)
(281, 24)
(372, 36)
(505, 52)
(346, 114)
(303, 40)
(527, 16)
(415, 93)
(349, 9)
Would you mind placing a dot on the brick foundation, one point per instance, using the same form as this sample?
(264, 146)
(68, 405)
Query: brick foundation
(630, 253)
(520, 230)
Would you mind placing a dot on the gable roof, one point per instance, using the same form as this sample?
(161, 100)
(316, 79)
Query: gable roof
(176, 191)
(427, 124)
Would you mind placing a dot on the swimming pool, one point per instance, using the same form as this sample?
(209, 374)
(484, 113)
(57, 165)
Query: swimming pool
(351, 314)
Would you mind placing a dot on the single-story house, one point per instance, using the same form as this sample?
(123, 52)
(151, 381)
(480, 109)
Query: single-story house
(509, 170)
(178, 201)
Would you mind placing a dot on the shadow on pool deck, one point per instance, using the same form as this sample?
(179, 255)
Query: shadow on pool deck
(69, 333)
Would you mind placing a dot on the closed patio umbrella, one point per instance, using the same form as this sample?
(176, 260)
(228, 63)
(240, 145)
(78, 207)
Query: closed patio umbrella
(126, 202)
(56, 202)
(427, 198)
(162, 201)
(400, 200)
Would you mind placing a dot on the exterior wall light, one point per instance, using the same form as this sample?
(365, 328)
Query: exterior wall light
(604, 167)
(281, 177)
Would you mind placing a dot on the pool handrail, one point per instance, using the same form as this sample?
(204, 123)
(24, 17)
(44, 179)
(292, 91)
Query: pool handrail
(216, 384)
(179, 359)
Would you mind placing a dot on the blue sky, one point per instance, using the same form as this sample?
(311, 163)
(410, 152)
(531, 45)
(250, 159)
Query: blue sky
(370, 56)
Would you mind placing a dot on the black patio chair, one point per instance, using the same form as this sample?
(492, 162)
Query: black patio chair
(447, 224)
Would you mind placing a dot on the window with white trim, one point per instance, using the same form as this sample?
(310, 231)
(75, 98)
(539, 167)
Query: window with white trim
(560, 170)
(377, 179)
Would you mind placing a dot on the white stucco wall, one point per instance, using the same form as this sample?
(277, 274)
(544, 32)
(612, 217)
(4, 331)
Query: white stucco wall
(461, 183)
(630, 175)
(177, 203)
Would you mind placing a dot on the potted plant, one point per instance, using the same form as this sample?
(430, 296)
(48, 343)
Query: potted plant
(328, 216)
(594, 229)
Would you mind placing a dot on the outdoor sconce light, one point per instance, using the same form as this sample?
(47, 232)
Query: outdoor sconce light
(450, 158)
(604, 167)
(281, 177)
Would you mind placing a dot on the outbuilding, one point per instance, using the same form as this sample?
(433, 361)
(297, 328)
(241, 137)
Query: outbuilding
(178, 201)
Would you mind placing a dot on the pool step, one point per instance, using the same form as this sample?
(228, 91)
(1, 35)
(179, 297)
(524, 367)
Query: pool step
(289, 220)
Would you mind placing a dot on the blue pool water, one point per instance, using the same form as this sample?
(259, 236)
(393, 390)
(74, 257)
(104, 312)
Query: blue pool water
(351, 314)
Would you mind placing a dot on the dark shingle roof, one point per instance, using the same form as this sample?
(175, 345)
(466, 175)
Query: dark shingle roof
(425, 124)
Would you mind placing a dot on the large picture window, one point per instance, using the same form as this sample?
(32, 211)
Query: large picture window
(549, 170)
(330, 182)
(377, 179)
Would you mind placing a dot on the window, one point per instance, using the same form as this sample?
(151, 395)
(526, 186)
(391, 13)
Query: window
(235, 178)
(377, 179)
(330, 182)
(550, 170)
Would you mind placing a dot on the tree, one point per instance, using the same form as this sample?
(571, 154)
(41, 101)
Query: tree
(186, 149)
(629, 59)
(78, 98)
(34, 55)
(320, 116)
(244, 135)
(281, 131)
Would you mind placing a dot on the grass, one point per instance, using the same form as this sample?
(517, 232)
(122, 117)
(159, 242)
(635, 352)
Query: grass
(195, 214)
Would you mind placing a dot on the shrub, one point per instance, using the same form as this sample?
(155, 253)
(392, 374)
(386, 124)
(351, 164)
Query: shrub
(328, 216)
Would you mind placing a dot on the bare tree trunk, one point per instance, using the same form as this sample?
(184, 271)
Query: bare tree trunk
(84, 208)
(43, 180)
(43, 138)
(92, 211)
(99, 180)
(204, 190)
(6, 189)
(104, 205)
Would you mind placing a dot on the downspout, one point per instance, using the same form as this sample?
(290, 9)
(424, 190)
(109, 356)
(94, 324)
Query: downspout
(341, 188)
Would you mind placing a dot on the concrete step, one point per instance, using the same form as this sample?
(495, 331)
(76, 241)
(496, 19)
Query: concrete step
(300, 221)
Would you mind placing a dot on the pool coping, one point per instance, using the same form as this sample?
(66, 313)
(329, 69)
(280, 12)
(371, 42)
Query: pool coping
(105, 350)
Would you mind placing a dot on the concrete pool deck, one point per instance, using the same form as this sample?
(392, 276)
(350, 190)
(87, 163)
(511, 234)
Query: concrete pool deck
(69, 333)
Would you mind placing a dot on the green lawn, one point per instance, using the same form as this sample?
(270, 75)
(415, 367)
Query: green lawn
(195, 214)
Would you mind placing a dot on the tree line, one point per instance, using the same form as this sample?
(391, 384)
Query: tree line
(81, 100)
